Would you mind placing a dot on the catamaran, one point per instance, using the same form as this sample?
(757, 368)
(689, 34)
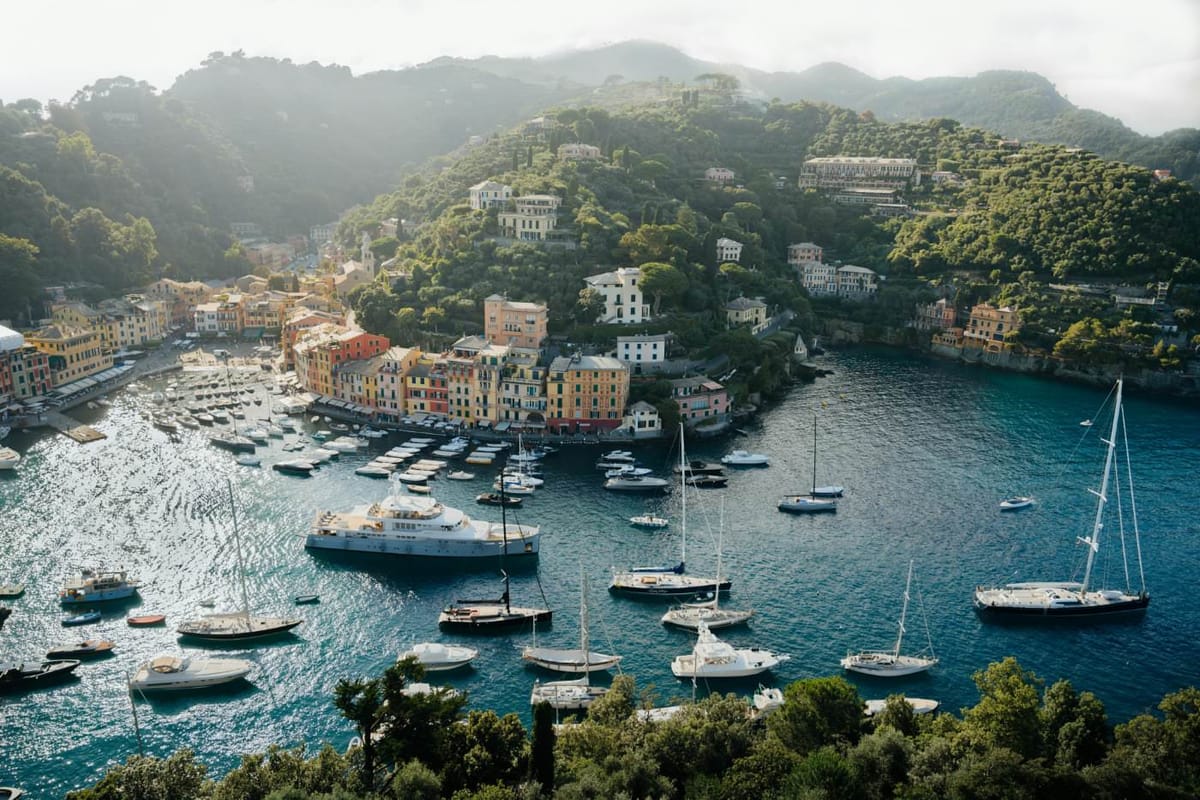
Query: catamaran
(1069, 599)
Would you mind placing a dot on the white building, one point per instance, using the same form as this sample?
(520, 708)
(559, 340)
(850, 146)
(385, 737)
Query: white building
(642, 421)
(624, 302)
(487, 194)
(819, 278)
(804, 253)
(718, 175)
(536, 215)
(643, 352)
(728, 250)
(856, 282)
(836, 172)
(574, 151)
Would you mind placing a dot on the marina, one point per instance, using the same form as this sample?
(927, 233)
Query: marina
(922, 446)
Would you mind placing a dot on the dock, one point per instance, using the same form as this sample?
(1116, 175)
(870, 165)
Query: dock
(71, 427)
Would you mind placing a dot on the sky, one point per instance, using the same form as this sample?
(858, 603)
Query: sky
(1138, 61)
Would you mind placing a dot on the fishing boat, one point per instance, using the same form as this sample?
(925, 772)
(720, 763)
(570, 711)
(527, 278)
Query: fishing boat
(88, 648)
(146, 620)
(438, 657)
(20, 677)
(83, 618)
(892, 663)
(494, 615)
(238, 625)
(575, 661)
(713, 658)
(95, 586)
(176, 673)
(1082, 599)
(667, 581)
(1016, 503)
(647, 521)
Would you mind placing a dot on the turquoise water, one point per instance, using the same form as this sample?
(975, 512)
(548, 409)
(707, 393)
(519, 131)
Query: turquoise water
(926, 449)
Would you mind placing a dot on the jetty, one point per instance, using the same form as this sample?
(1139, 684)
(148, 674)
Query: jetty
(71, 427)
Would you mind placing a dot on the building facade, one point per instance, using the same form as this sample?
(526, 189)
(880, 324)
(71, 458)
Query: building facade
(718, 175)
(745, 311)
(937, 316)
(728, 250)
(575, 151)
(73, 353)
(534, 218)
(514, 323)
(803, 253)
(836, 172)
(586, 393)
(856, 282)
(489, 194)
(624, 302)
(700, 399)
(988, 327)
(644, 352)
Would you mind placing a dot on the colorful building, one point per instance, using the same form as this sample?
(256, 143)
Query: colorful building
(745, 311)
(302, 320)
(586, 393)
(322, 351)
(425, 388)
(523, 389)
(988, 327)
(514, 323)
(74, 353)
(700, 399)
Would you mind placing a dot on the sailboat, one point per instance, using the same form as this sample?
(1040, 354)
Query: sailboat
(493, 615)
(1069, 599)
(231, 441)
(581, 660)
(890, 663)
(238, 625)
(690, 615)
(820, 498)
(832, 490)
(659, 581)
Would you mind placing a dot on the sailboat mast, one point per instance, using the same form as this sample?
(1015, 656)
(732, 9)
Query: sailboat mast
(720, 542)
(814, 469)
(1094, 543)
(683, 476)
(504, 545)
(237, 541)
(904, 610)
(583, 622)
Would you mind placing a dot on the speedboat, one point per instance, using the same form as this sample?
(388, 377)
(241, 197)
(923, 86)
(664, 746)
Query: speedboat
(802, 504)
(627, 471)
(438, 657)
(9, 458)
(370, 471)
(636, 483)
(713, 658)
(647, 521)
(459, 475)
(1016, 503)
(295, 466)
(84, 649)
(707, 481)
(767, 699)
(19, 677)
(920, 705)
(11, 590)
(247, 460)
(86, 618)
(742, 458)
(696, 467)
(179, 673)
(497, 499)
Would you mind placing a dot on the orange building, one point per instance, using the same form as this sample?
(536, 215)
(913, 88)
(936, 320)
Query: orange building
(989, 325)
(515, 324)
(586, 393)
(325, 348)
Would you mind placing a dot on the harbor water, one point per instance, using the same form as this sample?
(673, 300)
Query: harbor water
(926, 449)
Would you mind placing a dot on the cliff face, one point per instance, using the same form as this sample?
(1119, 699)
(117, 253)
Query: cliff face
(1174, 384)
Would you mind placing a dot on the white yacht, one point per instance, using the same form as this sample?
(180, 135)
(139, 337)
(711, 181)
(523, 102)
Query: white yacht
(713, 658)
(636, 483)
(892, 663)
(93, 586)
(9, 458)
(405, 525)
(566, 695)
(742, 458)
(438, 657)
(180, 673)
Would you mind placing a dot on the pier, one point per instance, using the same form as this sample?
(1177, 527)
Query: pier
(71, 427)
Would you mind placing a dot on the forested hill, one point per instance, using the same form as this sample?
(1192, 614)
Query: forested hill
(1012, 103)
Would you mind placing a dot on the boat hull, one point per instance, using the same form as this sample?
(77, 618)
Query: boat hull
(418, 548)
(665, 588)
(1133, 605)
(461, 619)
(218, 634)
(103, 596)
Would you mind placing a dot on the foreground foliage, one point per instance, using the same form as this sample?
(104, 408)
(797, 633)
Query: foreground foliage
(1021, 740)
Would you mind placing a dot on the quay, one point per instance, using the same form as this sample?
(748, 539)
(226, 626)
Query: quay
(71, 427)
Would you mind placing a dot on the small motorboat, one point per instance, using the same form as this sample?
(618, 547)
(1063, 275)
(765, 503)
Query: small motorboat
(742, 458)
(497, 499)
(307, 599)
(802, 504)
(920, 705)
(459, 475)
(1087, 423)
(146, 620)
(207, 602)
(438, 657)
(370, 471)
(707, 481)
(11, 590)
(249, 461)
(85, 649)
(418, 488)
(173, 672)
(646, 521)
(20, 677)
(1016, 503)
(296, 466)
(85, 618)
(701, 468)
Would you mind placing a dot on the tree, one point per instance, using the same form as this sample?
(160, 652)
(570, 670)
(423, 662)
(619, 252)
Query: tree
(433, 316)
(541, 761)
(662, 281)
(817, 712)
(178, 777)
(1007, 712)
(361, 702)
(18, 258)
(588, 307)
(1074, 727)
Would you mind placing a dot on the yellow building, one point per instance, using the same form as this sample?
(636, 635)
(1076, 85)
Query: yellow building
(394, 364)
(523, 389)
(74, 353)
(745, 311)
(988, 326)
(586, 393)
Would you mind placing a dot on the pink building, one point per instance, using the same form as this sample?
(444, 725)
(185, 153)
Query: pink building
(700, 399)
